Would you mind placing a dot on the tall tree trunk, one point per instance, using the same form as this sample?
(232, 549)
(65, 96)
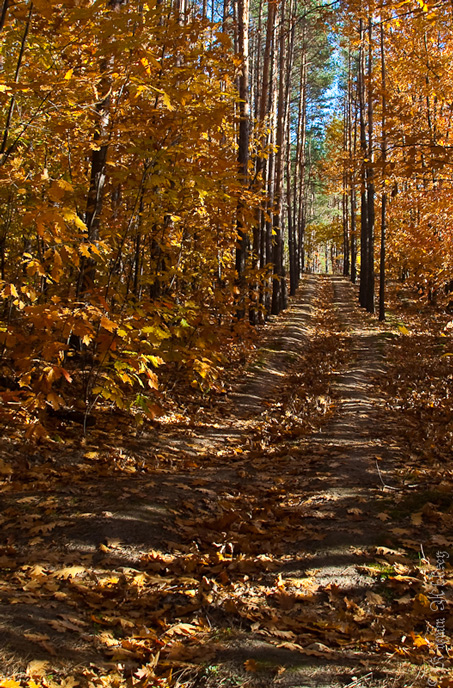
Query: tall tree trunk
(279, 275)
(12, 102)
(352, 134)
(292, 245)
(95, 195)
(345, 195)
(273, 104)
(299, 171)
(260, 108)
(244, 135)
(266, 167)
(363, 180)
(3, 13)
(370, 178)
(384, 173)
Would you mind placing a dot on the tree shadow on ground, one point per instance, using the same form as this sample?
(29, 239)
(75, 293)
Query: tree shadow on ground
(201, 545)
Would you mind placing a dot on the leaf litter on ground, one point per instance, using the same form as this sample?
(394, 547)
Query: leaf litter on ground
(142, 561)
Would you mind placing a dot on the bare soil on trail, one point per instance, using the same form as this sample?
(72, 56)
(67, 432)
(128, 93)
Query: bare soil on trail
(282, 351)
(270, 541)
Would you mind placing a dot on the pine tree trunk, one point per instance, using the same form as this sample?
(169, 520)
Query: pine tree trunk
(370, 179)
(384, 194)
(364, 246)
(345, 196)
(299, 171)
(243, 144)
(292, 246)
(352, 134)
(278, 289)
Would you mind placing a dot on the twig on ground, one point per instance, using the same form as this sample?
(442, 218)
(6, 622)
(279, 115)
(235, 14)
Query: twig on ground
(389, 487)
(357, 682)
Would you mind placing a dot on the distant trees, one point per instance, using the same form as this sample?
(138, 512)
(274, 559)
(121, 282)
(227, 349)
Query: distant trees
(167, 172)
(397, 121)
(154, 181)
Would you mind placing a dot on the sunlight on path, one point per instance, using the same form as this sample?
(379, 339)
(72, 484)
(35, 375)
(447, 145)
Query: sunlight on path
(348, 447)
(264, 377)
(333, 492)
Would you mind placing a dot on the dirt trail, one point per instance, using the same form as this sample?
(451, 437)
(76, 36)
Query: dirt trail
(338, 477)
(351, 447)
(251, 547)
(268, 371)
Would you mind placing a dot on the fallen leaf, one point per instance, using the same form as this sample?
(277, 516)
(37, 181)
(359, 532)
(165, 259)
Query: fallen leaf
(317, 650)
(250, 665)
(37, 668)
(36, 637)
(48, 647)
(182, 629)
(61, 625)
(374, 598)
(419, 641)
(441, 540)
(417, 519)
(421, 604)
(70, 682)
(113, 542)
(291, 646)
(406, 599)
(69, 572)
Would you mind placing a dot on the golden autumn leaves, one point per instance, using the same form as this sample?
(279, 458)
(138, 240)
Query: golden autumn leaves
(107, 274)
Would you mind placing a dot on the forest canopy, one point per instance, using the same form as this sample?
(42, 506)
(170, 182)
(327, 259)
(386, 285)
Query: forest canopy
(168, 171)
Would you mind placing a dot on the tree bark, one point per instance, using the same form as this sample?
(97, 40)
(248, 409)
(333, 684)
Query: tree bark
(292, 247)
(278, 288)
(370, 178)
(95, 196)
(243, 144)
(20, 58)
(384, 173)
(363, 180)
(3, 13)
(352, 118)
(300, 156)
(345, 195)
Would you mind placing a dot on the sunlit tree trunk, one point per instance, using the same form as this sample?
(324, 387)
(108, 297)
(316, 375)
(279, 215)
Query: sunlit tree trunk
(364, 245)
(352, 135)
(299, 174)
(384, 172)
(244, 135)
(95, 195)
(255, 314)
(345, 195)
(292, 245)
(279, 275)
(369, 302)
(270, 168)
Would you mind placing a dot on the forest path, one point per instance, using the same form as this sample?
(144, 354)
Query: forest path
(280, 355)
(253, 546)
(335, 498)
